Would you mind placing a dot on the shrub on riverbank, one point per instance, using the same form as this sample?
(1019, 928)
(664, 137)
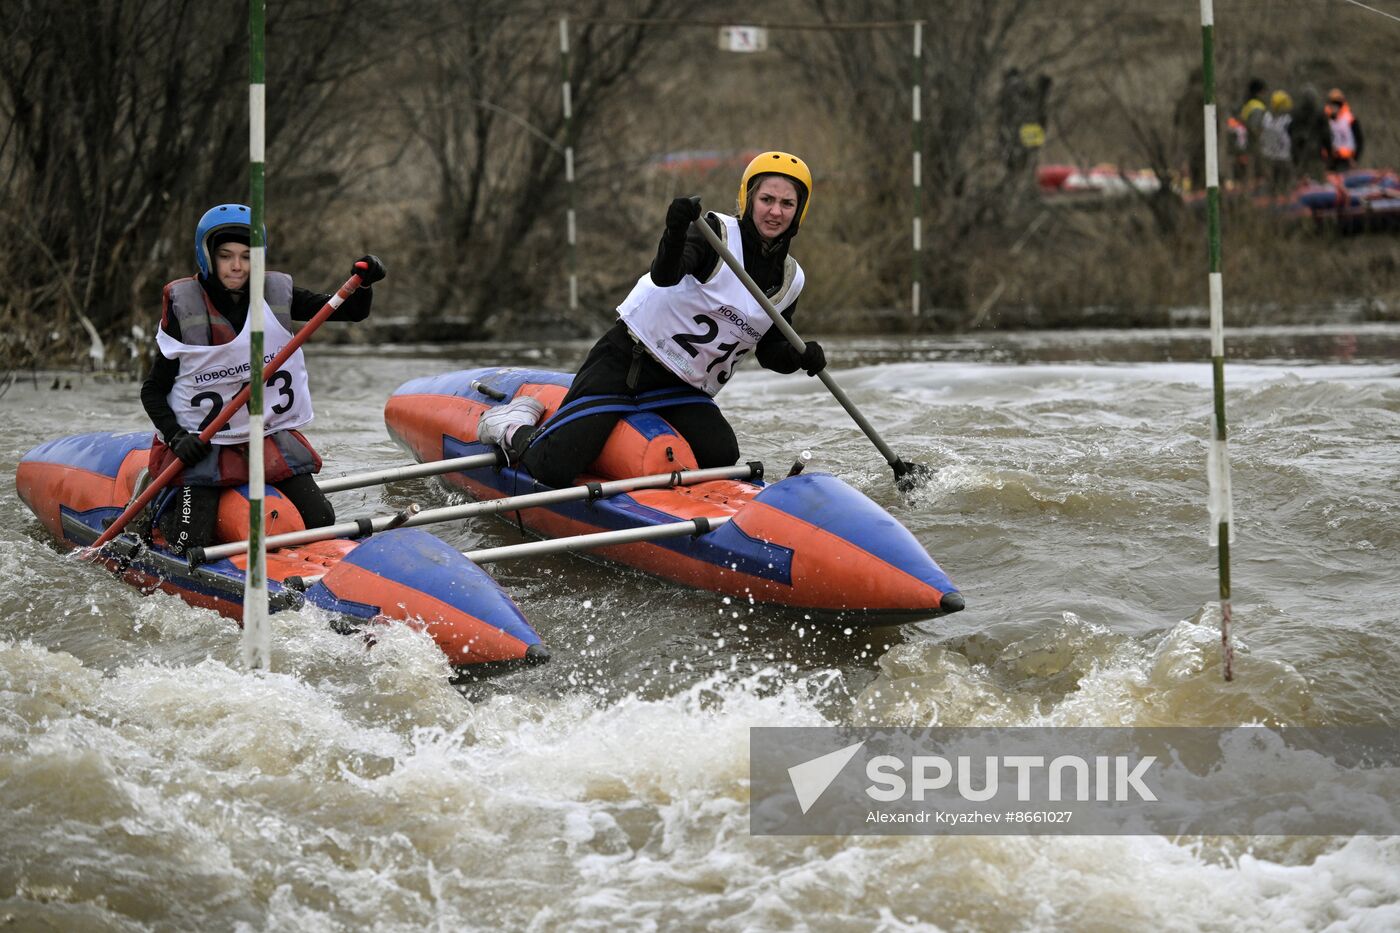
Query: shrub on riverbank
(449, 163)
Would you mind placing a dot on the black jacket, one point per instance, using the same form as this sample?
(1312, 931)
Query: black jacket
(234, 307)
(692, 254)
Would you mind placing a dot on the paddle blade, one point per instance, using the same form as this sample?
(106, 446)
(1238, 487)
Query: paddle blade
(910, 476)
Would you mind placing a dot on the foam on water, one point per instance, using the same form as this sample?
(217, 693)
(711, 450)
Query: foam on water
(205, 793)
(147, 782)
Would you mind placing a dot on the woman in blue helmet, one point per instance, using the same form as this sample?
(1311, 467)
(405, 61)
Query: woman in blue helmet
(202, 362)
(681, 332)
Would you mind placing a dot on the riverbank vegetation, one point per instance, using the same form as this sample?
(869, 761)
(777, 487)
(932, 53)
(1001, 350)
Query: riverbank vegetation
(432, 134)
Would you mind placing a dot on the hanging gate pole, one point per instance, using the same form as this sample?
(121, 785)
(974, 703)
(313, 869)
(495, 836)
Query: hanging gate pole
(1218, 460)
(918, 169)
(566, 90)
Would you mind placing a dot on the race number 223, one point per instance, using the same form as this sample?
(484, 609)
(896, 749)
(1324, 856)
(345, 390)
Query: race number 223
(280, 380)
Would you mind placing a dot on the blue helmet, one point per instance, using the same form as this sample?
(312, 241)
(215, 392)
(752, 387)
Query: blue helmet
(224, 217)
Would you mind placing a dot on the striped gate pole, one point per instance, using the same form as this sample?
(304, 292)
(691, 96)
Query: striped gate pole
(1217, 459)
(567, 91)
(257, 639)
(918, 132)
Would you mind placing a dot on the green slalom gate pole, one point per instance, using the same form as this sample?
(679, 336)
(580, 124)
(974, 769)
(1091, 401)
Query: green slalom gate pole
(257, 638)
(1217, 460)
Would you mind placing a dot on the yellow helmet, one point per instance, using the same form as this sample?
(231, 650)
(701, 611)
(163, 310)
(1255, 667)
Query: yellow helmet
(777, 163)
(1281, 102)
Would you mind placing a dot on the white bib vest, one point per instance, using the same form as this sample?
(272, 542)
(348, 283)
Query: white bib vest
(1274, 143)
(701, 330)
(210, 376)
(1343, 139)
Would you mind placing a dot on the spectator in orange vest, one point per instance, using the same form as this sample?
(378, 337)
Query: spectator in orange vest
(1347, 141)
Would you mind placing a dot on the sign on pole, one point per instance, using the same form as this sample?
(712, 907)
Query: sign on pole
(743, 38)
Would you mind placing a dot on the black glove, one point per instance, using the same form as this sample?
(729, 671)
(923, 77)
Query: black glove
(812, 359)
(369, 269)
(681, 213)
(189, 448)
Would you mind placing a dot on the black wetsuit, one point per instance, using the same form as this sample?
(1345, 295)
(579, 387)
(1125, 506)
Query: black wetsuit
(564, 452)
(190, 517)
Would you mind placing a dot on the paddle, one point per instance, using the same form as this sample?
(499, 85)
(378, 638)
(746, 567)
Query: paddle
(907, 475)
(176, 467)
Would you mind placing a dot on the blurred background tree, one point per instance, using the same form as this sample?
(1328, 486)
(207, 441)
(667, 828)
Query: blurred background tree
(432, 133)
(123, 120)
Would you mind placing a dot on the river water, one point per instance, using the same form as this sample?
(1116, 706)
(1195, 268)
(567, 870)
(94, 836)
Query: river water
(147, 782)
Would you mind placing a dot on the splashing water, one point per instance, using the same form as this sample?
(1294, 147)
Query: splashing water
(147, 782)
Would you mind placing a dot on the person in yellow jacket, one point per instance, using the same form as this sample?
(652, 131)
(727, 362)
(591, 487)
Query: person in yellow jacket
(1245, 131)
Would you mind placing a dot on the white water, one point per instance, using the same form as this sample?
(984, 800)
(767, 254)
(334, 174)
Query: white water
(146, 782)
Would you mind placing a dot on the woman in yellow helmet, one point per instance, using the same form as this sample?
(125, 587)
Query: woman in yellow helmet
(681, 332)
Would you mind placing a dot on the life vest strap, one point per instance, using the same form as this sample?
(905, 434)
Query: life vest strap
(587, 405)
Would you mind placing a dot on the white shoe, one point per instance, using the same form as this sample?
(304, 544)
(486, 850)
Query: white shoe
(498, 424)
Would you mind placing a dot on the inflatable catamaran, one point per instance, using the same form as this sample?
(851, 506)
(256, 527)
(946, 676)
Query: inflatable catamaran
(807, 541)
(77, 485)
